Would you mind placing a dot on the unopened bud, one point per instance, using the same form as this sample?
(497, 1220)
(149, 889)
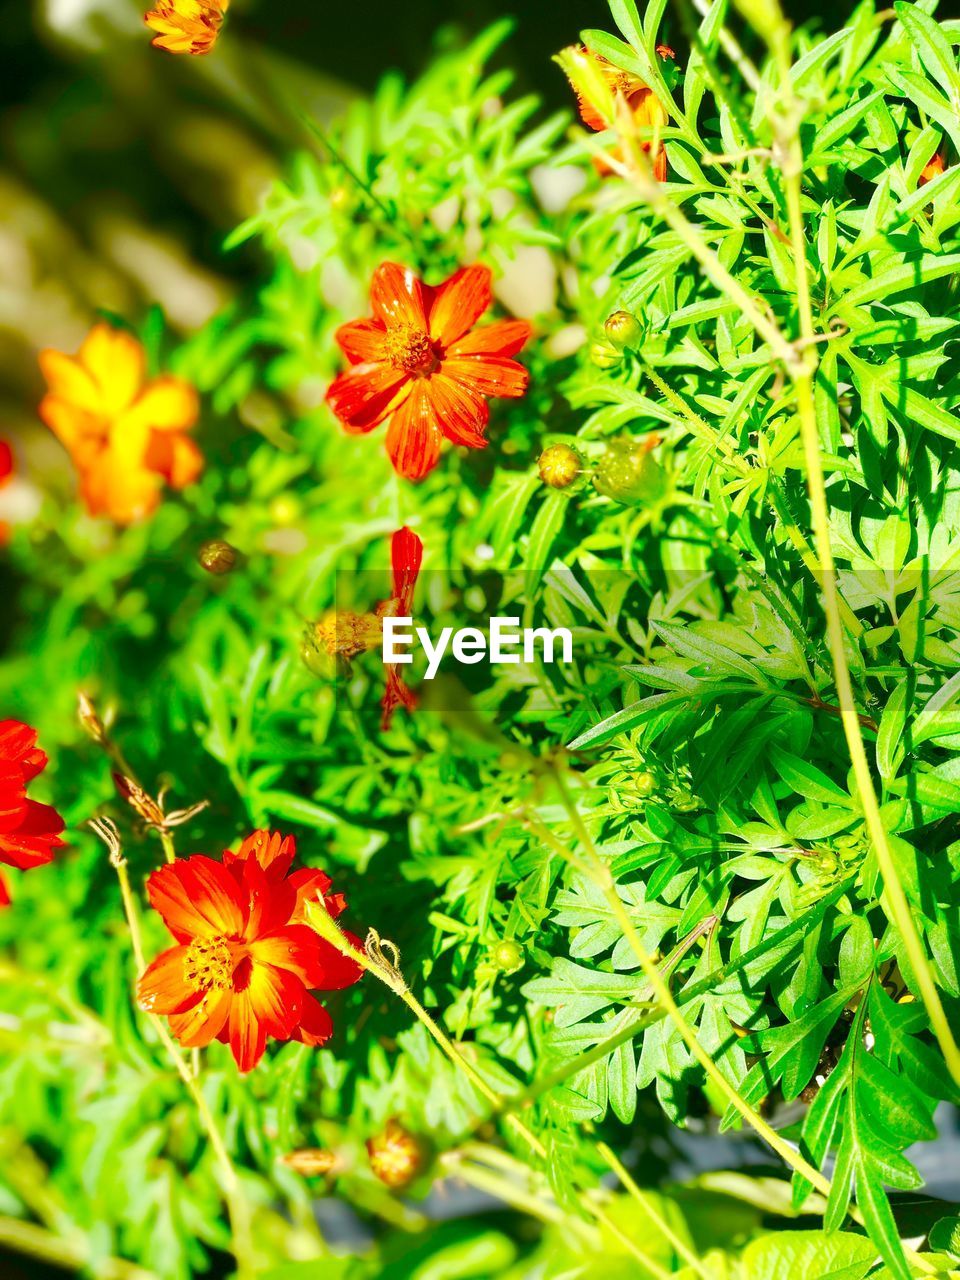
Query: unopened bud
(508, 956)
(396, 1156)
(311, 1162)
(89, 720)
(217, 556)
(645, 783)
(628, 474)
(604, 355)
(623, 329)
(559, 466)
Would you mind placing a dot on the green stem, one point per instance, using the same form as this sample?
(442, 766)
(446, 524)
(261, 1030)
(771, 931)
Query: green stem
(32, 1241)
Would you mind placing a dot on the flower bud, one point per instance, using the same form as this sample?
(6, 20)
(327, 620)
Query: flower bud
(396, 1156)
(559, 466)
(311, 1162)
(628, 474)
(217, 556)
(603, 355)
(89, 720)
(508, 956)
(623, 330)
(645, 783)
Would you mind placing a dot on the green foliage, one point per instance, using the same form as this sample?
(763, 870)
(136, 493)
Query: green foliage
(698, 727)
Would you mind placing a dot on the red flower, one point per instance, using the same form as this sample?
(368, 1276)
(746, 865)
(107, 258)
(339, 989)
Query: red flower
(29, 832)
(245, 960)
(420, 363)
(406, 556)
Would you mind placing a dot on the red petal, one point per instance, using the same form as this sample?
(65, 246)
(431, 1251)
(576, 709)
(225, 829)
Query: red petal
(309, 884)
(162, 987)
(361, 341)
(271, 901)
(34, 838)
(364, 395)
(316, 1025)
(273, 851)
(459, 303)
(397, 296)
(413, 437)
(277, 999)
(504, 338)
(296, 948)
(245, 1032)
(18, 745)
(197, 898)
(204, 1022)
(4, 893)
(461, 411)
(490, 375)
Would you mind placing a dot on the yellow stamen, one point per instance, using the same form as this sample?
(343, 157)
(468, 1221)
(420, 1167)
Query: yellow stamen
(208, 964)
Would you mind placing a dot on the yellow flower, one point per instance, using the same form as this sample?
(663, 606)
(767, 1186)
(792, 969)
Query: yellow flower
(124, 432)
(187, 26)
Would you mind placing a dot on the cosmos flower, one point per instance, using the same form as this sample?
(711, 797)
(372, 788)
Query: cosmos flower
(125, 432)
(187, 26)
(245, 962)
(29, 832)
(421, 366)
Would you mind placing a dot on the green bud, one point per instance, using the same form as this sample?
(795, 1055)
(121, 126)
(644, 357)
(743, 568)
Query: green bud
(508, 956)
(623, 329)
(645, 783)
(603, 355)
(628, 474)
(217, 557)
(559, 466)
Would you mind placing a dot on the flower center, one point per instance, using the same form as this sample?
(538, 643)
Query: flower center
(208, 964)
(410, 348)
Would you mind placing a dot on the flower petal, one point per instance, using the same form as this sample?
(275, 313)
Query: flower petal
(163, 988)
(69, 381)
(175, 457)
(272, 900)
(397, 296)
(461, 411)
(277, 998)
(167, 404)
(316, 1025)
(459, 303)
(34, 837)
(490, 375)
(504, 338)
(115, 360)
(245, 1032)
(204, 1022)
(273, 851)
(413, 437)
(361, 341)
(125, 492)
(197, 898)
(364, 395)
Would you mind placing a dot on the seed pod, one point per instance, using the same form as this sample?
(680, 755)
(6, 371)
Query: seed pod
(507, 956)
(396, 1156)
(628, 474)
(623, 330)
(217, 557)
(559, 466)
(310, 1161)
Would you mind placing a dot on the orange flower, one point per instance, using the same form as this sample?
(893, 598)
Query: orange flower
(643, 103)
(124, 432)
(245, 961)
(932, 169)
(421, 364)
(6, 475)
(187, 26)
(29, 832)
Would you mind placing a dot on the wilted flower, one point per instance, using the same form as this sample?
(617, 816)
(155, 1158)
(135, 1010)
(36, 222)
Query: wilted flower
(124, 432)
(187, 26)
(345, 634)
(29, 832)
(396, 1155)
(245, 962)
(420, 364)
(611, 84)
